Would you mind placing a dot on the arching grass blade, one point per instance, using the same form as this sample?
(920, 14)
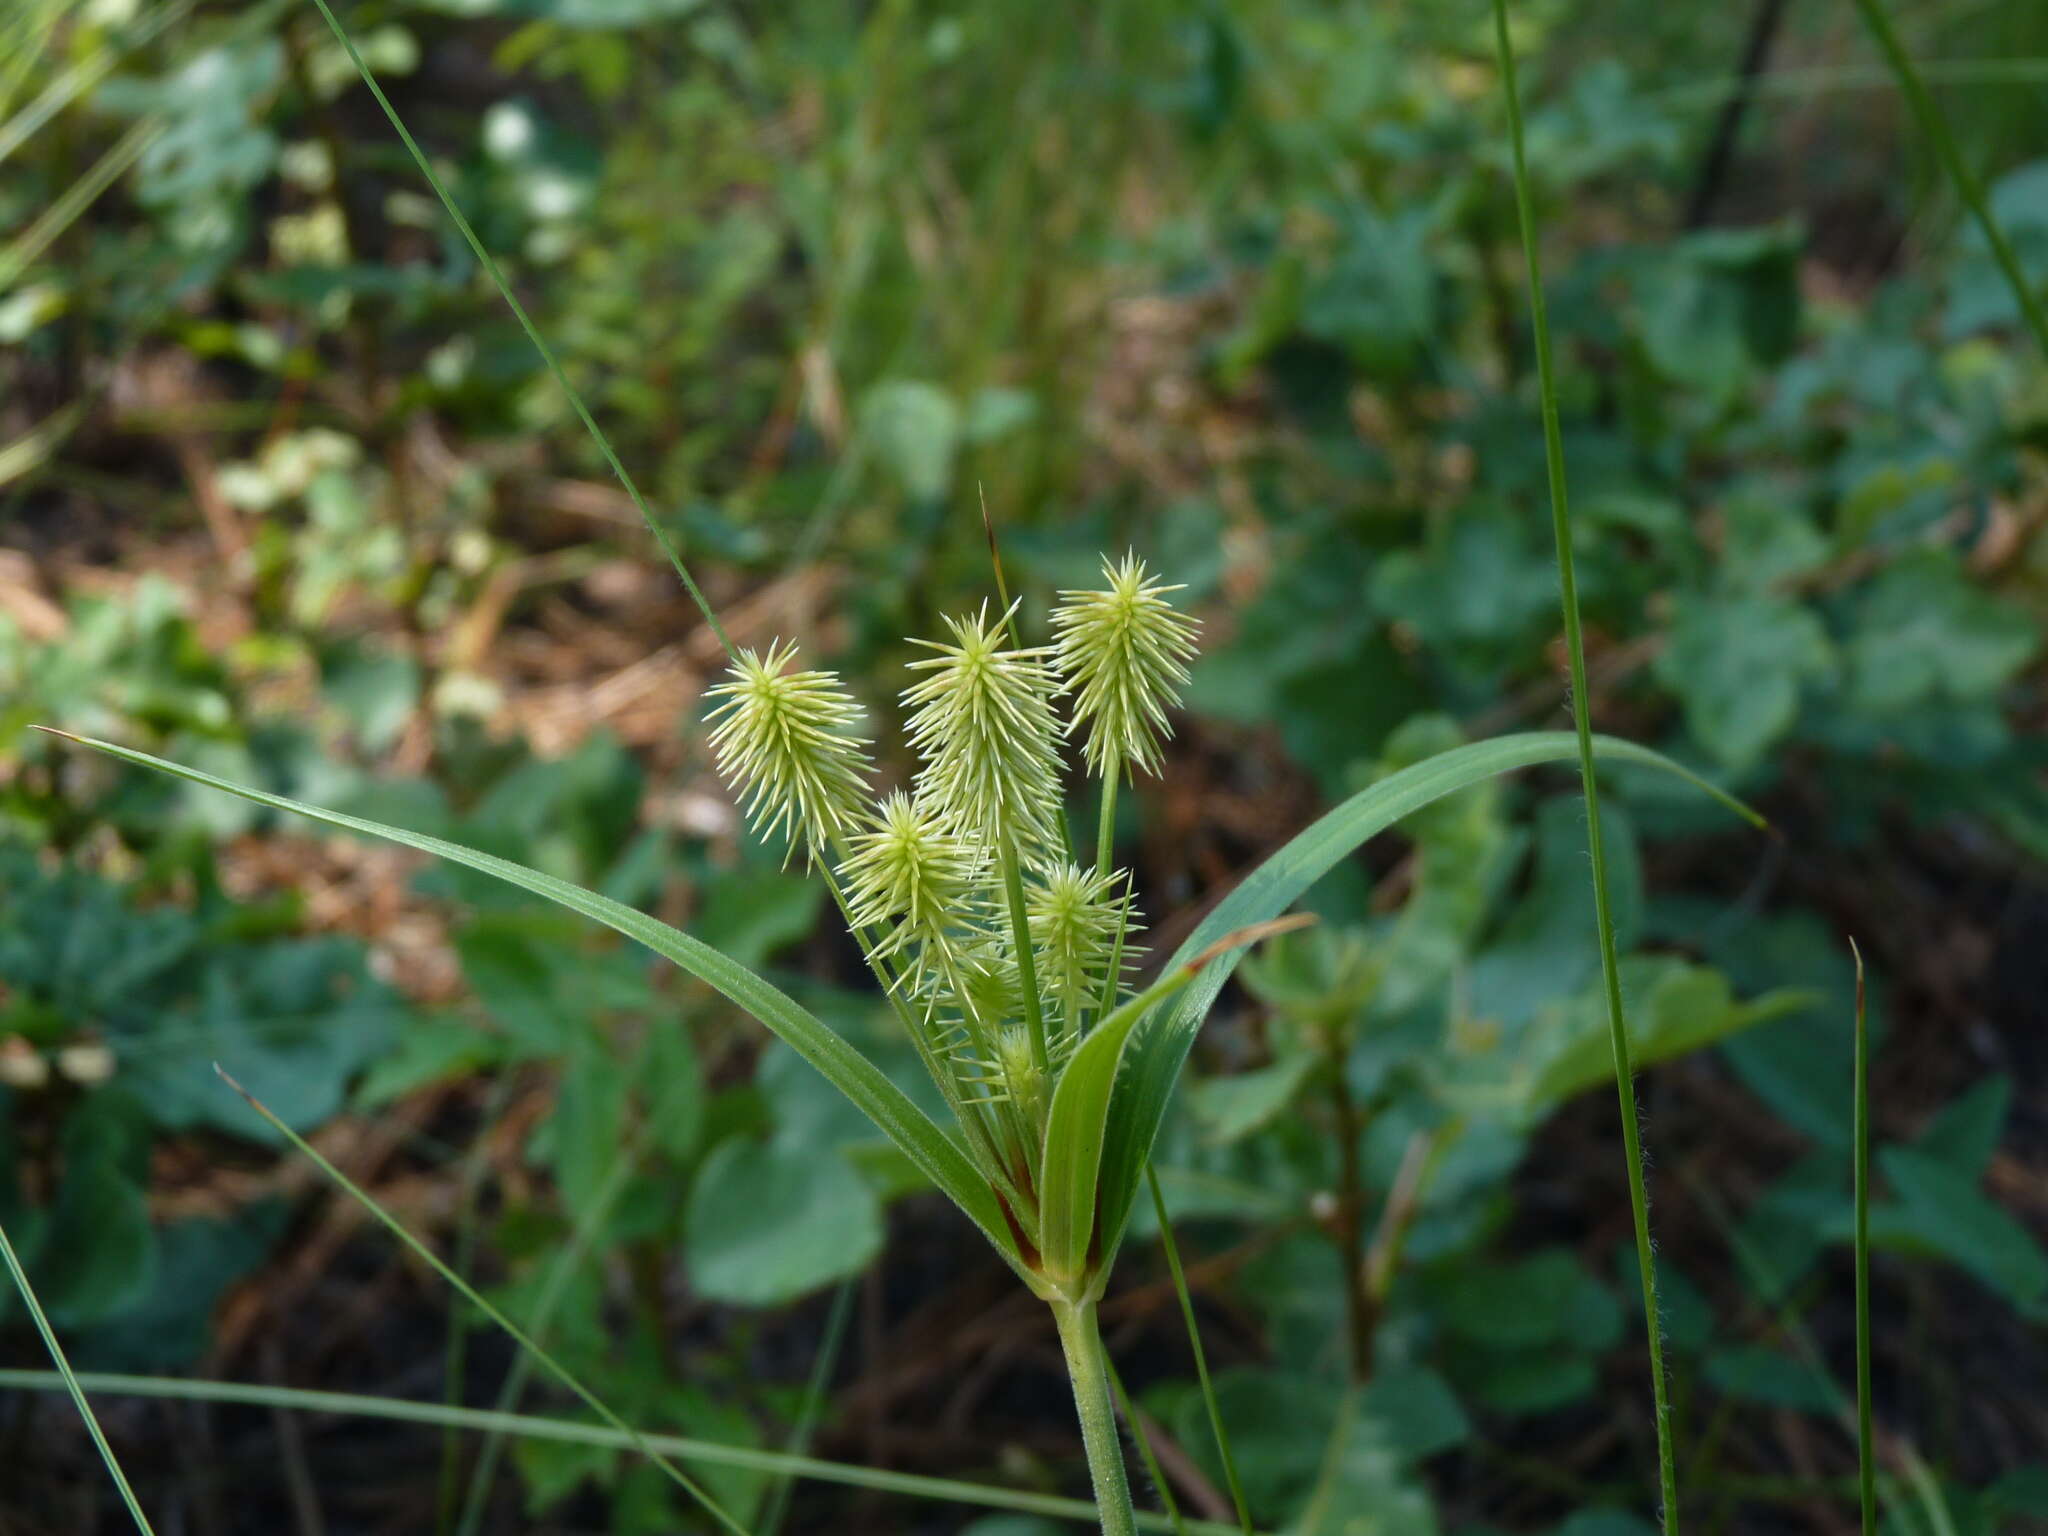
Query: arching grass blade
(579, 1432)
(71, 1382)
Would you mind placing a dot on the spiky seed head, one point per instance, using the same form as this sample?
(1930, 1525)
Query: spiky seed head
(1073, 915)
(1123, 653)
(982, 720)
(783, 741)
(907, 866)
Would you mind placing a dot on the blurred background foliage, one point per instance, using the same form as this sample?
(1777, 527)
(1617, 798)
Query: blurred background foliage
(285, 494)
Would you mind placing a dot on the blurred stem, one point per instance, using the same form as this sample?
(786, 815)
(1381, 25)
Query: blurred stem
(1187, 1312)
(1935, 126)
(1105, 833)
(1575, 645)
(1088, 1368)
(1146, 1454)
(1360, 1321)
(92, 1423)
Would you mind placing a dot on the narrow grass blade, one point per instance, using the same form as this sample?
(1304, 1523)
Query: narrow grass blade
(1077, 1125)
(1866, 1462)
(815, 1393)
(71, 1383)
(577, 1432)
(1575, 644)
(894, 1113)
(74, 81)
(553, 1287)
(533, 335)
(1156, 1052)
(1187, 1312)
(76, 198)
(1146, 1454)
(1935, 126)
(475, 1298)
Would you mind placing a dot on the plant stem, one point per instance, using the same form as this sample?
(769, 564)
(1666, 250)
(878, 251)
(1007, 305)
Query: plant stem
(1575, 645)
(1187, 1312)
(92, 1423)
(1105, 836)
(1935, 126)
(1359, 1308)
(1088, 1368)
(1027, 963)
(1866, 1461)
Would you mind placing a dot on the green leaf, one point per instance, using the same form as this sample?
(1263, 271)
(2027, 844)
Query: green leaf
(1965, 1131)
(1759, 1374)
(1158, 1049)
(771, 1221)
(934, 1154)
(1231, 1108)
(1943, 1212)
(1675, 1007)
(1924, 632)
(1075, 1130)
(1737, 663)
(1547, 1298)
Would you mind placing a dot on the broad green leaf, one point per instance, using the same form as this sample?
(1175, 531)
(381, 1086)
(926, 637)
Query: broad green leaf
(1157, 1050)
(935, 1155)
(1924, 632)
(771, 1221)
(1737, 664)
(1943, 1212)
(1965, 1131)
(1759, 1374)
(1231, 1108)
(1675, 1007)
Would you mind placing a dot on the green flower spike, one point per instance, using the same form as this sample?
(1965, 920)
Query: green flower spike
(782, 741)
(982, 720)
(908, 869)
(1075, 917)
(1123, 653)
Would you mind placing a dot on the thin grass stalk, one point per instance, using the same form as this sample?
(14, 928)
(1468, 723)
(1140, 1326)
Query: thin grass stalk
(71, 1383)
(533, 335)
(1575, 645)
(813, 1407)
(1866, 1461)
(475, 1298)
(1146, 1454)
(1187, 1312)
(580, 1432)
(1935, 127)
(553, 1288)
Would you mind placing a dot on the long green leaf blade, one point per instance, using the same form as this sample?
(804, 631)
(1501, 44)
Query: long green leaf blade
(578, 1432)
(1153, 1060)
(889, 1107)
(71, 1383)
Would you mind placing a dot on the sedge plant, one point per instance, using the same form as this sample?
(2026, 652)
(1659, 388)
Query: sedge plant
(1007, 957)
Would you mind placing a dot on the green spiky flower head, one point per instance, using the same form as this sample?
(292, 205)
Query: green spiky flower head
(982, 720)
(1075, 915)
(783, 741)
(907, 867)
(1123, 653)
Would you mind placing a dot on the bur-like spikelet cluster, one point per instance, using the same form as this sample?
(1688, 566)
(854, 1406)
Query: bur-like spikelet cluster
(784, 740)
(982, 721)
(998, 948)
(1124, 653)
(1077, 920)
